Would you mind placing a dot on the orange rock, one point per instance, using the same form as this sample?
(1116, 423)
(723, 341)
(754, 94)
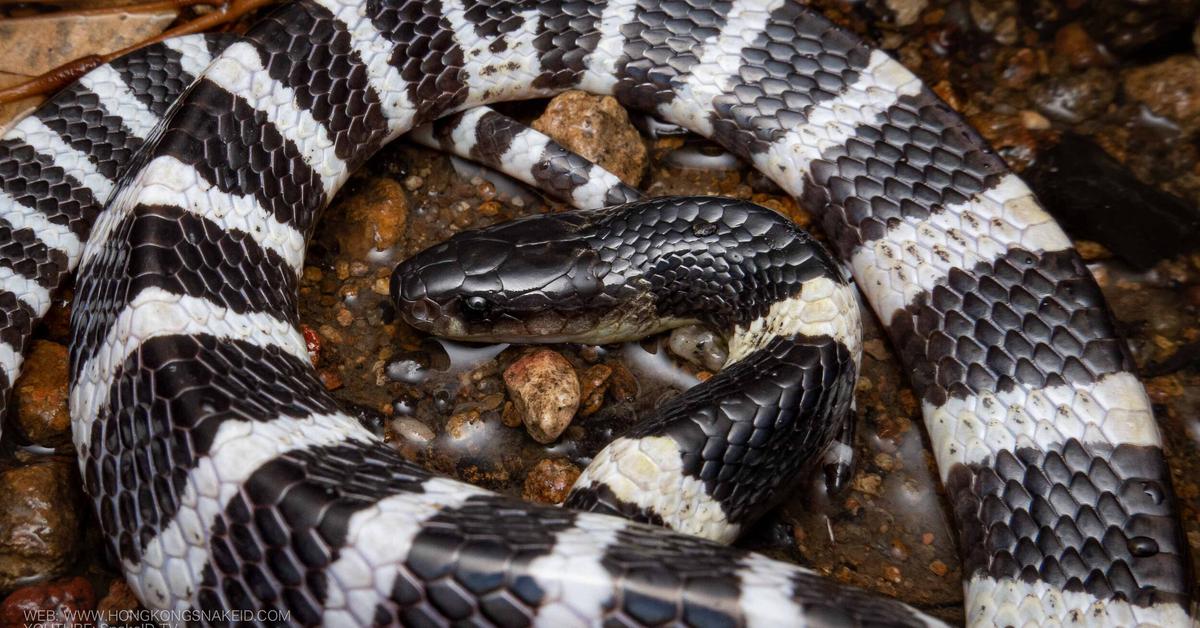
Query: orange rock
(550, 481)
(41, 396)
(545, 392)
(598, 128)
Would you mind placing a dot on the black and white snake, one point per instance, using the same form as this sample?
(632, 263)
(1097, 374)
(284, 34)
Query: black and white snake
(225, 476)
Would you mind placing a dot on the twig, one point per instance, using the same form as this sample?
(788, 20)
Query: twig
(62, 75)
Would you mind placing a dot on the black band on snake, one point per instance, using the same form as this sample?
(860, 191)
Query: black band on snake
(225, 477)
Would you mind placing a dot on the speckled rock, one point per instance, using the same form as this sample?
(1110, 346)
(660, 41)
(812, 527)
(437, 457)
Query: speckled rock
(39, 520)
(598, 128)
(48, 604)
(545, 393)
(550, 481)
(1170, 88)
(40, 396)
(374, 218)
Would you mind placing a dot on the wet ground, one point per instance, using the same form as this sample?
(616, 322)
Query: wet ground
(1027, 74)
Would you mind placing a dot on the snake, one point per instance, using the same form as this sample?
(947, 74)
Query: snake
(180, 185)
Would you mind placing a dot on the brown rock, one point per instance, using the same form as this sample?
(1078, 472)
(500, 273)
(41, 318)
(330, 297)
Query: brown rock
(48, 604)
(119, 598)
(550, 481)
(1021, 68)
(1009, 135)
(622, 385)
(1170, 88)
(374, 219)
(545, 393)
(598, 128)
(939, 568)
(593, 385)
(464, 424)
(1074, 44)
(39, 520)
(40, 396)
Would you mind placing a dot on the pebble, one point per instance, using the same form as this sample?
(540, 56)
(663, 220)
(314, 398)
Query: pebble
(868, 483)
(598, 128)
(312, 342)
(622, 385)
(412, 430)
(545, 393)
(939, 568)
(699, 345)
(373, 219)
(549, 481)
(876, 349)
(1074, 44)
(119, 599)
(39, 520)
(62, 597)
(463, 425)
(1169, 88)
(1077, 96)
(592, 386)
(907, 12)
(40, 396)
(413, 183)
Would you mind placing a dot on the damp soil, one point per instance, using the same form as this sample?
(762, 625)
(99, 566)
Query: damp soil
(1026, 73)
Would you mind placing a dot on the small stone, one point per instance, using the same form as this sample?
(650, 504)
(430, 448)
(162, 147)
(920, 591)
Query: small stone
(1034, 121)
(491, 402)
(381, 287)
(373, 219)
(312, 274)
(592, 387)
(899, 550)
(1021, 69)
(545, 392)
(886, 462)
(1008, 135)
(907, 12)
(119, 599)
(876, 349)
(39, 520)
(1077, 96)
(40, 396)
(939, 568)
(927, 538)
(1074, 44)
(892, 574)
(598, 128)
(412, 430)
(359, 268)
(413, 182)
(489, 208)
(52, 604)
(622, 385)
(549, 481)
(330, 379)
(312, 342)
(868, 483)
(509, 416)
(344, 317)
(464, 424)
(1170, 88)
(1091, 251)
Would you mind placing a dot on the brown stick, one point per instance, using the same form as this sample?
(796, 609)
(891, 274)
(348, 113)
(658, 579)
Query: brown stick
(62, 75)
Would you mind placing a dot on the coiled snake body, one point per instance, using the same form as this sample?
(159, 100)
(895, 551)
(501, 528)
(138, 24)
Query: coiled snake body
(225, 476)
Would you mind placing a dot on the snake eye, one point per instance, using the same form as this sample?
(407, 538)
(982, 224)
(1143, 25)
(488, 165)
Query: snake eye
(476, 304)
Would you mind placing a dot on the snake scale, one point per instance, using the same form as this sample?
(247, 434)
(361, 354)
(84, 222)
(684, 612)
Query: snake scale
(225, 476)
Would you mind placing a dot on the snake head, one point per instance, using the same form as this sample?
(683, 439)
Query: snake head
(531, 279)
